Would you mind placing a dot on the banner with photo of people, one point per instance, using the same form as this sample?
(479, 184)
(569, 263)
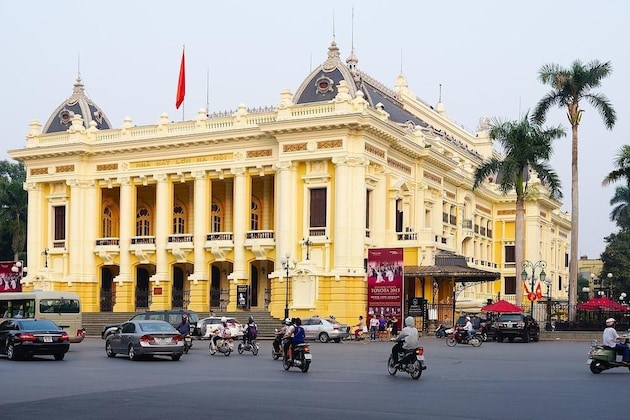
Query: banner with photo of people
(385, 282)
(10, 276)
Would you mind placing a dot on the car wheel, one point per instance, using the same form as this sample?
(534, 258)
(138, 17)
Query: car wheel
(108, 349)
(132, 353)
(499, 339)
(59, 356)
(511, 339)
(323, 337)
(176, 357)
(391, 369)
(536, 338)
(337, 340)
(11, 352)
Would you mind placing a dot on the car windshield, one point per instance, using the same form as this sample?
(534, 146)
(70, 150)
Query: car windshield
(34, 325)
(510, 317)
(156, 327)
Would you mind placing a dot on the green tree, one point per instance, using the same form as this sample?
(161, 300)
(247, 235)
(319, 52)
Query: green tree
(568, 88)
(622, 167)
(621, 200)
(526, 146)
(13, 204)
(616, 260)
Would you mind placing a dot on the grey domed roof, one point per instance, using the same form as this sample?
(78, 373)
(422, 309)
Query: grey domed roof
(321, 86)
(77, 103)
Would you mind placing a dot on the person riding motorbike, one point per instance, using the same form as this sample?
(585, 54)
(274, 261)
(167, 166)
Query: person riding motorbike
(220, 332)
(250, 331)
(406, 340)
(361, 327)
(184, 326)
(293, 335)
(611, 339)
(280, 335)
(469, 328)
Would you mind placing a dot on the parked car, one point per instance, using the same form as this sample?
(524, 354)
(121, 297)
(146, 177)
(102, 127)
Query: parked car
(324, 329)
(173, 317)
(516, 325)
(145, 338)
(25, 338)
(206, 325)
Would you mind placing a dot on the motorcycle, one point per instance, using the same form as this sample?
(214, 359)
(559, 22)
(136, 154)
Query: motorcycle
(410, 361)
(248, 345)
(277, 344)
(440, 332)
(601, 358)
(461, 337)
(224, 345)
(187, 342)
(301, 358)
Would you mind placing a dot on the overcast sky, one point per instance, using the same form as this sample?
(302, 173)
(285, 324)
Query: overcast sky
(485, 54)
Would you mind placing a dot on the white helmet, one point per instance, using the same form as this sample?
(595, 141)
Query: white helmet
(610, 322)
(223, 319)
(409, 321)
(287, 321)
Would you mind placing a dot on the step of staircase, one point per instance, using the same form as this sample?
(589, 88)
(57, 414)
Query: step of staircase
(93, 322)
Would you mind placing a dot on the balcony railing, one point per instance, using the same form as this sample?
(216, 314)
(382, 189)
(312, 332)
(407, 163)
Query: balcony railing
(179, 238)
(108, 242)
(260, 234)
(220, 236)
(143, 240)
(317, 231)
(467, 224)
(407, 236)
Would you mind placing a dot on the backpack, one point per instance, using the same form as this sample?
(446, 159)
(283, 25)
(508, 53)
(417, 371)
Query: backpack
(252, 332)
(298, 335)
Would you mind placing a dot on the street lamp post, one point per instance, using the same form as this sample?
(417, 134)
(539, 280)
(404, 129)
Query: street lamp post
(286, 264)
(543, 276)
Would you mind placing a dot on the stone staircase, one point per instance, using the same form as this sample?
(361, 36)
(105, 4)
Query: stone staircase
(93, 322)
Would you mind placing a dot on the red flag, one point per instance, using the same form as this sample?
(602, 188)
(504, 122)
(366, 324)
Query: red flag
(181, 85)
(538, 291)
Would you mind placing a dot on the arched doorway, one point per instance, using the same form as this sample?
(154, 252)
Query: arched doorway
(108, 292)
(177, 301)
(215, 288)
(142, 288)
(253, 288)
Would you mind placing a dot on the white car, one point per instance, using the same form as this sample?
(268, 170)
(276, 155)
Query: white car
(207, 325)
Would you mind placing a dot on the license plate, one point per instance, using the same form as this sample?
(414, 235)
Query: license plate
(589, 361)
(308, 356)
(47, 339)
(421, 358)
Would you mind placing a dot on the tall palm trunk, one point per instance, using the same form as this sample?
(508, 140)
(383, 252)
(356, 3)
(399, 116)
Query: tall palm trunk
(575, 217)
(519, 246)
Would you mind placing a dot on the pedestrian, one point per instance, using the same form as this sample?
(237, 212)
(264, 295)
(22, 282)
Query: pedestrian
(394, 326)
(382, 326)
(373, 327)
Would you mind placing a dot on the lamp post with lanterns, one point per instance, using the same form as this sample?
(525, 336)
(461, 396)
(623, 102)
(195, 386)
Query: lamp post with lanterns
(286, 265)
(524, 276)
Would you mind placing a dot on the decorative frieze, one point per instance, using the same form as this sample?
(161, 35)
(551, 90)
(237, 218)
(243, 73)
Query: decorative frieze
(506, 212)
(482, 209)
(329, 144)
(399, 165)
(64, 168)
(107, 167)
(259, 153)
(295, 147)
(39, 171)
(432, 177)
(374, 150)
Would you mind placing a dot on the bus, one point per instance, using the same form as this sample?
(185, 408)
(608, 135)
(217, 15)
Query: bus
(64, 308)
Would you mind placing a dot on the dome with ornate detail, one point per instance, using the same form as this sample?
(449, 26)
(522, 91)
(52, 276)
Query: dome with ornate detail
(77, 104)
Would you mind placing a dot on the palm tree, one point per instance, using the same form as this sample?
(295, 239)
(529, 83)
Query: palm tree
(13, 204)
(622, 167)
(526, 146)
(621, 212)
(569, 87)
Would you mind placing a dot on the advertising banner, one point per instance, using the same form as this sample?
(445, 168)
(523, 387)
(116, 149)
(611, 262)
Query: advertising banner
(242, 293)
(385, 282)
(9, 279)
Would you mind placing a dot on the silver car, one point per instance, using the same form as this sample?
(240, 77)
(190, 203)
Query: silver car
(324, 329)
(145, 338)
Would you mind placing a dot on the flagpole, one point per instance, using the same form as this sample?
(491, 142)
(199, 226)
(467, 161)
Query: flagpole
(181, 84)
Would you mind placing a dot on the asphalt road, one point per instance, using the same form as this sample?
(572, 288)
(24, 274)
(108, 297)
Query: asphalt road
(346, 381)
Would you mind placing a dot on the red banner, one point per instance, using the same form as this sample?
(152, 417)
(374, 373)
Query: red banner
(385, 281)
(10, 276)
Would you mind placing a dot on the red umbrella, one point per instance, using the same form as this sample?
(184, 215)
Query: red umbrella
(501, 306)
(602, 303)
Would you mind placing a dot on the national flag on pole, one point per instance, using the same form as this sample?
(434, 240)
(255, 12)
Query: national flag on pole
(538, 292)
(181, 85)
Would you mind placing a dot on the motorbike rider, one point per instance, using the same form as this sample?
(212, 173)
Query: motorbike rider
(361, 326)
(611, 339)
(406, 340)
(294, 334)
(468, 327)
(250, 329)
(184, 326)
(220, 331)
(280, 335)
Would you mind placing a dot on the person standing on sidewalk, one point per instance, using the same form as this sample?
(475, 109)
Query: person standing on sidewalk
(373, 327)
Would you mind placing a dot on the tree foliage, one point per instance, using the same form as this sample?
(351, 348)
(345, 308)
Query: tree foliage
(13, 210)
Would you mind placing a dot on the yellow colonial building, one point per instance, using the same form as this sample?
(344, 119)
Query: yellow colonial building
(190, 214)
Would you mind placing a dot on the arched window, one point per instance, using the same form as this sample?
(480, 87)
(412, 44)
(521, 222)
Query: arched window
(216, 218)
(143, 222)
(179, 222)
(255, 216)
(107, 223)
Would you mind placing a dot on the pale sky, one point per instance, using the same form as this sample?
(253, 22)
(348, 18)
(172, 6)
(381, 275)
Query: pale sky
(485, 54)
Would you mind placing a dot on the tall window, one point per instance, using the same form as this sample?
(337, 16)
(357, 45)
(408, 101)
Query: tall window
(60, 226)
(318, 208)
(107, 222)
(510, 254)
(368, 199)
(178, 220)
(399, 215)
(215, 218)
(254, 223)
(143, 222)
(510, 285)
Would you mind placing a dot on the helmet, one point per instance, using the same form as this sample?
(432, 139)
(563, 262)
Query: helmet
(250, 320)
(287, 321)
(610, 322)
(467, 318)
(223, 319)
(409, 321)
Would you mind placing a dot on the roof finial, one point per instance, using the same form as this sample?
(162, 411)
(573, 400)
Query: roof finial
(78, 66)
(333, 28)
(401, 56)
(352, 60)
(440, 96)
